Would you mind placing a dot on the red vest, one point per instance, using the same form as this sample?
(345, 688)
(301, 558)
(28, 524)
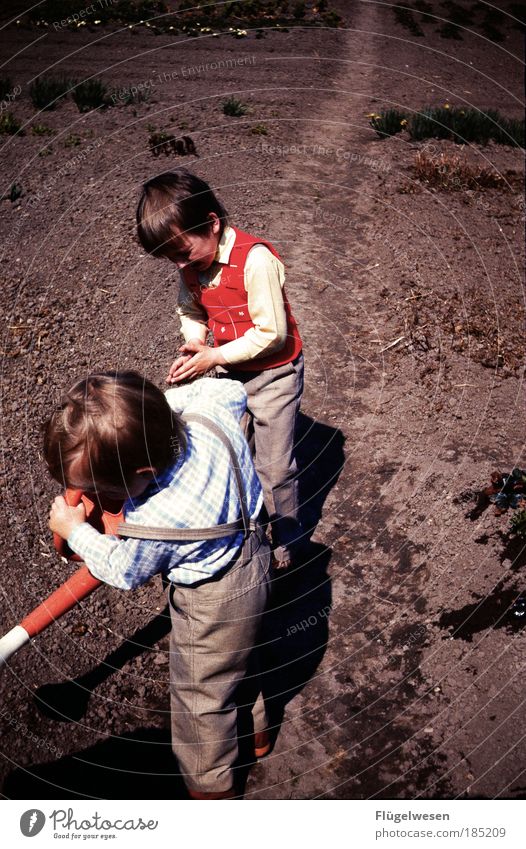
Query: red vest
(227, 307)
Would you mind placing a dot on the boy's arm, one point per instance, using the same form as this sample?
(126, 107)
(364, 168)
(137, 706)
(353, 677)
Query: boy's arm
(124, 564)
(193, 316)
(264, 280)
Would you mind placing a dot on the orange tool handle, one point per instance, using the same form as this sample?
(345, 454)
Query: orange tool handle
(102, 513)
(80, 585)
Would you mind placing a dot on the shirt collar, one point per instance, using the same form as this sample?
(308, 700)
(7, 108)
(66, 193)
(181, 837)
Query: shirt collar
(226, 243)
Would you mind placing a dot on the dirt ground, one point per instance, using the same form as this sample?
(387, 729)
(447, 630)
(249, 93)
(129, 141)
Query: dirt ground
(397, 666)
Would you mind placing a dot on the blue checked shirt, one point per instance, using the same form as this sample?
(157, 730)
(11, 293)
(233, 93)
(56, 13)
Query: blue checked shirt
(198, 490)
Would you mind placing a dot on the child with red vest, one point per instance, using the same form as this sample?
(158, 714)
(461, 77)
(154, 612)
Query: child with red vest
(232, 284)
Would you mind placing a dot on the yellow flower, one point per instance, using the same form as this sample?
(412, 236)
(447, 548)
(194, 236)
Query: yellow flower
(446, 105)
(403, 122)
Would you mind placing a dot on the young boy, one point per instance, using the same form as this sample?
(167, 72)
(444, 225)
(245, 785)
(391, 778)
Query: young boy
(118, 435)
(232, 284)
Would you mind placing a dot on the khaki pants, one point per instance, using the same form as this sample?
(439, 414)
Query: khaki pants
(274, 397)
(213, 643)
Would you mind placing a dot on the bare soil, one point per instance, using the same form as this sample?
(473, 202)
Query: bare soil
(397, 667)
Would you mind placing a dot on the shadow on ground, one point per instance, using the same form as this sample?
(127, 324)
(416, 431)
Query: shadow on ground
(139, 765)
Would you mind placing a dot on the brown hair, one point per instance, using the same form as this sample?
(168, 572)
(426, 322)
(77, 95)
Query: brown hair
(112, 423)
(175, 199)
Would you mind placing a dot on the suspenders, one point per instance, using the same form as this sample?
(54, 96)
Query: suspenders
(245, 523)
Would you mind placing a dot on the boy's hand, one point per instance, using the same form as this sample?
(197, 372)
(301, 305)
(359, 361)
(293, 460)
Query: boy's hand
(197, 359)
(63, 518)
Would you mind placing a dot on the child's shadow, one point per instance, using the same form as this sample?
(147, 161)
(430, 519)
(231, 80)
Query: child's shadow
(296, 631)
(68, 701)
(138, 765)
(320, 458)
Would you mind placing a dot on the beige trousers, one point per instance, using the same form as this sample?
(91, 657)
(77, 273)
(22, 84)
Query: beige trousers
(213, 645)
(274, 397)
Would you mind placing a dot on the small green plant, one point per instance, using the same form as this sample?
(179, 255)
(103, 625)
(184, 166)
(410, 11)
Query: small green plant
(518, 523)
(259, 130)
(388, 123)
(42, 130)
(90, 94)
(14, 193)
(9, 125)
(234, 108)
(72, 140)
(46, 92)
(46, 151)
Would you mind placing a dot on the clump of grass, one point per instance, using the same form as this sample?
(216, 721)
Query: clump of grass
(46, 92)
(449, 172)
(234, 107)
(9, 125)
(518, 523)
(466, 125)
(454, 123)
(490, 25)
(299, 11)
(450, 30)
(42, 130)
(46, 151)
(72, 140)
(5, 87)
(388, 123)
(458, 14)
(405, 18)
(160, 141)
(90, 94)
(259, 130)
(14, 193)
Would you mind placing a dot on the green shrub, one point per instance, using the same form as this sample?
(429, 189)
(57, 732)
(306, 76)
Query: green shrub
(466, 125)
(9, 125)
(46, 92)
(445, 122)
(90, 94)
(234, 107)
(259, 130)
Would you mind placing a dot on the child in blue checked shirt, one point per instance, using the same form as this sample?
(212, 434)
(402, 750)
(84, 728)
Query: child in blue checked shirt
(118, 435)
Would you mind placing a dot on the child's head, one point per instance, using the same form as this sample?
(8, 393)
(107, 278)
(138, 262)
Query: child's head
(179, 217)
(112, 434)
